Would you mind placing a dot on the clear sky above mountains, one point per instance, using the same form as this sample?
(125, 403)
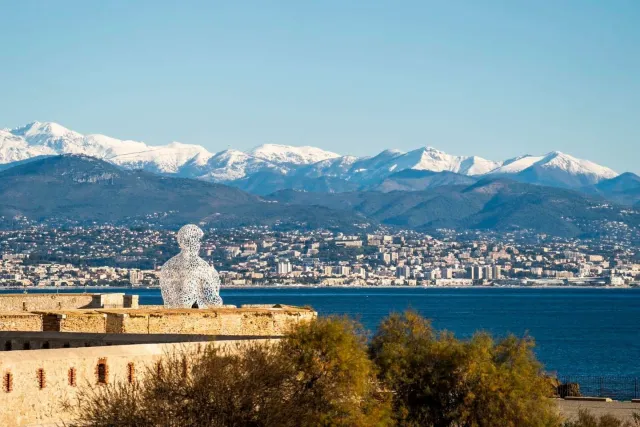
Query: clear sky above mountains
(490, 78)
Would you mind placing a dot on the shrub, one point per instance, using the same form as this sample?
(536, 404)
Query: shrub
(336, 381)
(587, 419)
(438, 380)
(318, 375)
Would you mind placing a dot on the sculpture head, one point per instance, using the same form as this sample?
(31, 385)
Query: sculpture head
(189, 238)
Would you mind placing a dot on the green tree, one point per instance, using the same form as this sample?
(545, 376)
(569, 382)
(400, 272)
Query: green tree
(438, 380)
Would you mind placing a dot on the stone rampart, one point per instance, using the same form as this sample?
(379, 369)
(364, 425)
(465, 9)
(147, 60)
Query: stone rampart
(16, 321)
(48, 353)
(243, 321)
(91, 321)
(11, 340)
(33, 302)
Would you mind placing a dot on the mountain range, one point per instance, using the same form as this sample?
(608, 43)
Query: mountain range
(271, 167)
(79, 189)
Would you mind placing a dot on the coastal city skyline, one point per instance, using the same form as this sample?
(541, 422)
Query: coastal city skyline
(41, 257)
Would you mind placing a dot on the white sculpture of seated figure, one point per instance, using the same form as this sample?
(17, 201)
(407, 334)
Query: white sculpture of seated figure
(186, 280)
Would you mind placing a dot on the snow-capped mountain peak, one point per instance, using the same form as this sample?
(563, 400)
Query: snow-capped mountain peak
(516, 164)
(555, 169)
(429, 158)
(434, 151)
(14, 148)
(230, 164)
(573, 165)
(288, 154)
(52, 138)
(51, 135)
(195, 161)
(49, 129)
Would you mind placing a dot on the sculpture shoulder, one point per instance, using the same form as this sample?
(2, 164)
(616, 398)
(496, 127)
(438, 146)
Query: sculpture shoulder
(172, 263)
(202, 263)
(195, 265)
(205, 268)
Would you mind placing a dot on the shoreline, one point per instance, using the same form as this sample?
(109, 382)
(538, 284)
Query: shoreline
(82, 288)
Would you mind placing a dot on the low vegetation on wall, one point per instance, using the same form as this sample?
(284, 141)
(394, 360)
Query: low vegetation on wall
(326, 372)
(587, 419)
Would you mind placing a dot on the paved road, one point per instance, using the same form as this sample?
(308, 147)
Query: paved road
(622, 410)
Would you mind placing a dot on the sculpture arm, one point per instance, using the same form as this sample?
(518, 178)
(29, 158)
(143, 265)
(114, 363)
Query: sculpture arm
(209, 292)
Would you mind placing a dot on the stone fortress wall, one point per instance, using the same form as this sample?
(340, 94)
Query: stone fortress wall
(33, 302)
(10, 341)
(52, 345)
(37, 385)
(20, 321)
(246, 320)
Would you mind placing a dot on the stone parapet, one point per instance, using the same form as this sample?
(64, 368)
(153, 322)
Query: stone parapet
(35, 302)
(79, 320)
(263, 320)
(243, 321)
(12, 321)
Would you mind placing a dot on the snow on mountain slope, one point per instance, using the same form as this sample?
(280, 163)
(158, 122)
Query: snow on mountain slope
(556, 169)
(430, 159)
(14, 148)
(108, 148)
(517, 164)
(194, 161)
(380, 165)
(52, 138)
(288, 154)
(368, 169)
(229, 165)
(51, 135)
(475, 165)
(575, 166)
(338, 167)
(165, 159)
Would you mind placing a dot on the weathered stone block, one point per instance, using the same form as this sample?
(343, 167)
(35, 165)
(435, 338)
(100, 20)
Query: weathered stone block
(74, 321)
(260, 321)
(20, 322)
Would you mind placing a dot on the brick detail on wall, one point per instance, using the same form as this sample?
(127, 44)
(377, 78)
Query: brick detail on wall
(131, 373)
(42, 378)
(7, 382)
(72, 377)
(102, 371)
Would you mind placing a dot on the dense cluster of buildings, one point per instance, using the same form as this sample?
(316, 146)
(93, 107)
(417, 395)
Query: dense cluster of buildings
(255, 256)
(15, 270)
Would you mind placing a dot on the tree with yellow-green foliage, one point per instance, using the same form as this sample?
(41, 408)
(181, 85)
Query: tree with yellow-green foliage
(323, 373)
(318, 375)
(440, 381)
(334, 377)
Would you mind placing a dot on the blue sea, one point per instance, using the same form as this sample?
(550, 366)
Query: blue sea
(577, 331)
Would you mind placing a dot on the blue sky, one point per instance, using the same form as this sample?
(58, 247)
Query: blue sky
(491, 78)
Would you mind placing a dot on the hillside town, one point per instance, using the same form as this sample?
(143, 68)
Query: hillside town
(39, 256)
